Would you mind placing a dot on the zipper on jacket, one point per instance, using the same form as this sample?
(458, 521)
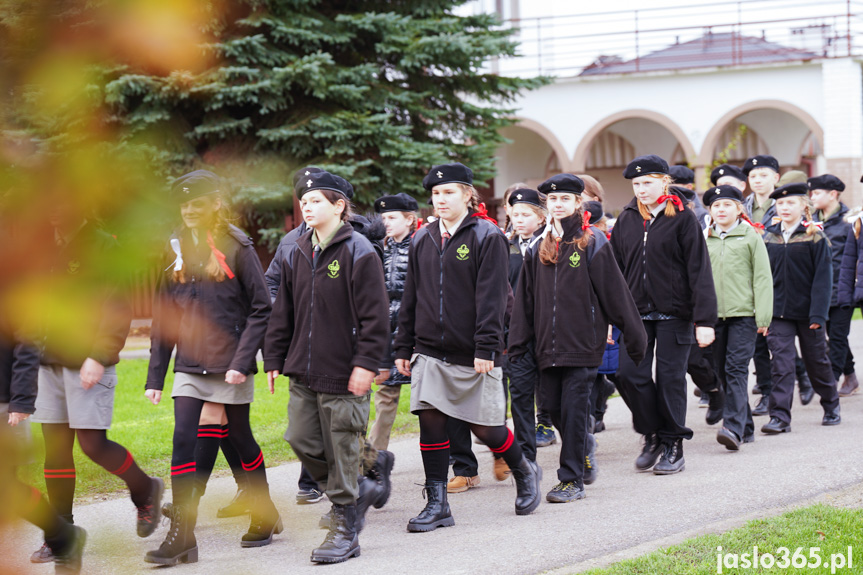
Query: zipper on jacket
(784, 274)
(440, 302)
(311, 309)
(721, 293)
(554, 319)
(644, 266)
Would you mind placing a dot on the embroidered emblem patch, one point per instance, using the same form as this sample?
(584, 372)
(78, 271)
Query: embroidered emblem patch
(574, 260)
(462, 253)
(333, 269)
(73, 266)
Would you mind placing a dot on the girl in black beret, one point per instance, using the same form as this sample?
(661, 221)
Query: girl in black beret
(451, 339)
(399, 214)
(328, 333)
(744, 290)
(571, 274)
(528, 216)
(212, 304)
(802, 275)
(660, 248)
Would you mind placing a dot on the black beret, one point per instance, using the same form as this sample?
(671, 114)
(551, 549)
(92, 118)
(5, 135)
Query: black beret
(726, 170)
(681, 175)
(324, 181)
(645, 165)
(562, 183)
(303, 172)
(194, 184)
(525, 196)
(826, 182)
(401, 202)
(594, 209)
(761, 162)
(722, 193)
(792, 189)
(685, 193)
(448, 174)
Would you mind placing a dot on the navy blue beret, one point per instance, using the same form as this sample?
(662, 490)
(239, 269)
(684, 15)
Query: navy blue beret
(726, 170)
(722, 193)
(401, 202)
(761, 162)
(681, 175)
(826, 182)
(324, 181)
(562, 183)
(525, 196)
(448, 174)
(594, 209)
(792, 189)
(303, 172)
(194, 184)
(645, 165)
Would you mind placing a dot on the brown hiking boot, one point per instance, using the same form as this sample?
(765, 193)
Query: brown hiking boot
(501, 469)
(849, 385)
(460, 484)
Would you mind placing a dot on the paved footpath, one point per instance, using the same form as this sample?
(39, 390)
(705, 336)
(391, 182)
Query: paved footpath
(625, 513)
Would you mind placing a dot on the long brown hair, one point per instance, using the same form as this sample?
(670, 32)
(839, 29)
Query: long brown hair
(670, 209)
(549, 248)
(221, 221)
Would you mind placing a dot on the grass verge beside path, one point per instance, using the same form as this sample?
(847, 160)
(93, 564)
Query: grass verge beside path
(146, 430)
(831, 530)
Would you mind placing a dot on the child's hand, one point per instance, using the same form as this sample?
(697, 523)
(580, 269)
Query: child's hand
(762, 331)
(704, 336)
(234, 377)
(271, 380)
(154, 395)
(482, 365)
(815, 326)
(404, 367)
(361, 380)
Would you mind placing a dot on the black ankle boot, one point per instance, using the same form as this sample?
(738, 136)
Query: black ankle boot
(649, 453)
(436, 512)
(179, 545)
(342, 541)
(67, 556)
(527, 476)
(370, 491)
(239, 505)
(380, 472)
(671, 461)
(265, 522)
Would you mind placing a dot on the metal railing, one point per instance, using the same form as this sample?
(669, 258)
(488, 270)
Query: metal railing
(703, 35)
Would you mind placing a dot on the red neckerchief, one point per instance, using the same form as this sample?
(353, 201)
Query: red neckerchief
(220, 257)
(482, 213)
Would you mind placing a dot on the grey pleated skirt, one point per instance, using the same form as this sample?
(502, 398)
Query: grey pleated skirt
(457, 390)
(213, 388)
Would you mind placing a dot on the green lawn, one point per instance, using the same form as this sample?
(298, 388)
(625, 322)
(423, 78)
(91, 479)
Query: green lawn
(146, 430)
(832, 530)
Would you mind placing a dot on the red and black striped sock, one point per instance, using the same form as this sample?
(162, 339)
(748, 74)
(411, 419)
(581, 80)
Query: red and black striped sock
(506, 447)
(60, 485)
(233, 458)
(207, 450)
(139, 483)
(435, 456)
(256, 472)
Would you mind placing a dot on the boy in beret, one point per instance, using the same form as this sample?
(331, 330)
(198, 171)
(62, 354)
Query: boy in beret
(763, 175)
(825, 191)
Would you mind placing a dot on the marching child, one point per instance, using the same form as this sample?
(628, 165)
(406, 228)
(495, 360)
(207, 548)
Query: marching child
(399, 213)
(328, 333)
(660, 248)
(744, 294)
(802, 275)
(213, 306)
(824, 191)
(571, 274)
(451, 339)
(527, 212)
(851, 285)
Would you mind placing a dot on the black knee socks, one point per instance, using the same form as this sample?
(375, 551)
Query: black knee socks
(117, 460)
(434, 445)
(59, 467)
(36, 509)
(233, 459)
(207, 450)
(501, 442)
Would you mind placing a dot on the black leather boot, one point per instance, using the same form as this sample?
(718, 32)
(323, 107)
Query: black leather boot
(67, 557)
(179, 545)
(342, 542)
(265, 521)
(239, 505)
(527, 476)
(380, 472)
(649, 453)
(370, 492)
(436, 513)
(671, 461)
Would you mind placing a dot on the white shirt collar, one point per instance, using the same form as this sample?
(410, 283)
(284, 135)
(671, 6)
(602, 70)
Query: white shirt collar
(451, 229)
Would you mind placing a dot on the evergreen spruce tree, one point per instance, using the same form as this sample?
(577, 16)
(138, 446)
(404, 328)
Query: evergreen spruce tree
(376, 91)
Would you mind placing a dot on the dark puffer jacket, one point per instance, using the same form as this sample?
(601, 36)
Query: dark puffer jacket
(836, 229)
(851, 274)
(395, 272)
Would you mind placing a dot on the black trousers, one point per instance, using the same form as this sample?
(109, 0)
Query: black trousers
(838, 328)
(566, 398)
(813, 348)
(600, 391)
(733, 349)
(460, 448)
(764, 370)
(523, 389)
(700, 368)
(659, 405)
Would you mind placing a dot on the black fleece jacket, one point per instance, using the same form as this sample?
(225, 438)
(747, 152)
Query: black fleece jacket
(455, 300)
(802, 274)
(216, 326)
(19, 371)
(568, 306)
(666, 264)
(331, 312)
